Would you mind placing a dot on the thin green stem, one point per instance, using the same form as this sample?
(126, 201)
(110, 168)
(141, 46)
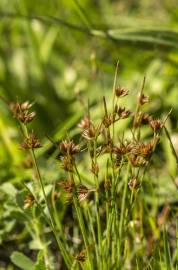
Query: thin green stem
(77, 172)
(82, 227)
(80, 217)
(51, 218)
(114, 96)
(123, 204)
(97, 202)
(93, 233)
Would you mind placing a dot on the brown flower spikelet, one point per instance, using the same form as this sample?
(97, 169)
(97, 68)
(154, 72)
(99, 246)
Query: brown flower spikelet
(21, 111)
(69, 147)
(123, 148)
(85, 123)
(31, 142)
(137, 161)
(121, 92)
(142, 99)
(122, 112)
(156, 124)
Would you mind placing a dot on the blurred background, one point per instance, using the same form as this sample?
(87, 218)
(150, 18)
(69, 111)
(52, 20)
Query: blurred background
(61, 54)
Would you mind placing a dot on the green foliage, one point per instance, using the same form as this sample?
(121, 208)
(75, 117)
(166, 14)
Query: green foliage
(61, 55)
(22, 261)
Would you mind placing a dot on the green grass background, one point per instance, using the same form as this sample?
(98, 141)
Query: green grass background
(60, 54)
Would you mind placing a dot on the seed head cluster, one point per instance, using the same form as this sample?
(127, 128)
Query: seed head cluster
(121, 92)
(21, 111)
(69, 148)
(107, 158)
(122, 151)
(31, 142)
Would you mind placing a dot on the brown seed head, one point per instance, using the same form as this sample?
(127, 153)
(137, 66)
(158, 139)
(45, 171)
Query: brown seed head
(21, 111)
(108, 120)
(25, 106)
(142, 99)
(122, 112)
(69, 147)
(31, 142)
(156, 124)
(26, 117)
(67, 163)
(123, 148)
(90, 133)
(121, 92)
(143, 149)
(85, 123)
(137, 161)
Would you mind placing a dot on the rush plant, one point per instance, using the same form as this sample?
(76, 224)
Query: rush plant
(104, 224)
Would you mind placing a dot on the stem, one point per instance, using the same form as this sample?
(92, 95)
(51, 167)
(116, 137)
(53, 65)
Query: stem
(123, 203)
(82, 227)
(77, 172)
(80, 217)
(171, 144)
(93, 233)
(97, 202)
(51, 218)
(56, 216)
(114, 96)
(137, 110)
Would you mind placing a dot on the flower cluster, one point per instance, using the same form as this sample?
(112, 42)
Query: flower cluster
(134, 151)
(113, 166)
(21, 111)
(31, 142)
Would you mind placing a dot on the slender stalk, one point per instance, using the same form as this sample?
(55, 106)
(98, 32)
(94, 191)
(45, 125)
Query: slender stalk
(97, 202)
(51, 218)
(93, 233)
(171, 144)
(80, 216)
(56, 218)
(77, 172)
(82, 227)
(114, 96)
(137, 110)
(123, 204)
(38, 175)
(66, 257)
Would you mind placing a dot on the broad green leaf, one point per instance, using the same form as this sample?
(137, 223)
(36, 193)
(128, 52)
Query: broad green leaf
(22, 261)
(9, 189)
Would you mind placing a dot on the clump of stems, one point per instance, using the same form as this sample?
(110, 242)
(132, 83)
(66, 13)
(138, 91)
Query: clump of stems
(103, 210)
